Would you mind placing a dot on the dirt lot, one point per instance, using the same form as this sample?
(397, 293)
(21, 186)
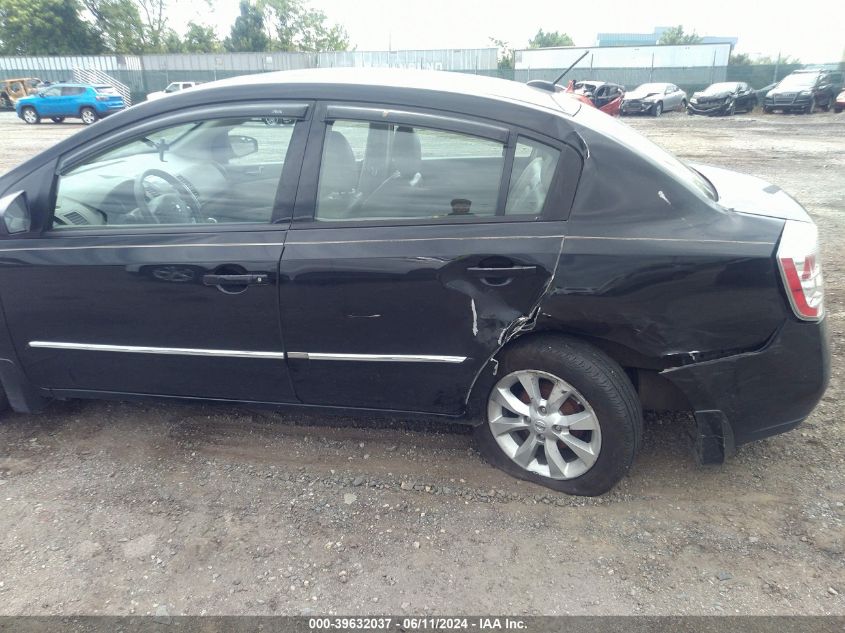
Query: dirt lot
(118, 508)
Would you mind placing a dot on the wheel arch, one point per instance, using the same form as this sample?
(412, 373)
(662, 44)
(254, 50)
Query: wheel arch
(655, 391)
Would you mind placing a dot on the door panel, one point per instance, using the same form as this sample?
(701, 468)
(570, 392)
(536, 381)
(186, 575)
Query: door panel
(409, 293)
(149, 279)
(148, 292)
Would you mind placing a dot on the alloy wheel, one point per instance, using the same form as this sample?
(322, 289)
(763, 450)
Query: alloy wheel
(30, 116)
(544, 425)
(88, 116)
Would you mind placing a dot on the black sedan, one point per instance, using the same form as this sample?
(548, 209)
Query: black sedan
(428, 244)
(725, 98)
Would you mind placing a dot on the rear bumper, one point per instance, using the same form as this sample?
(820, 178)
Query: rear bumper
(750, 396)
(106, 110)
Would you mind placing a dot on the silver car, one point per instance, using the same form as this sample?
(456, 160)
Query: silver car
(654, 99)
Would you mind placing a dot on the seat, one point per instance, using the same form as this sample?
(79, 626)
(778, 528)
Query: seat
(393, 197)
(528, 194)
(338, 178)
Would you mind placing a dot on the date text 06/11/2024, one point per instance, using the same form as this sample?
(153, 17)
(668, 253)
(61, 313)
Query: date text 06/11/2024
(417, 624)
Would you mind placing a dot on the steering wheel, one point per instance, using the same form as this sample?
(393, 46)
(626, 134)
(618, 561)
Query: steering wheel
(182, 207)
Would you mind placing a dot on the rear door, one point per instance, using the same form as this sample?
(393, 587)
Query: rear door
(154, 276)
(420, 243)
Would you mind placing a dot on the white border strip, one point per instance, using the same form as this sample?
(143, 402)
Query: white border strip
(377, 358)
(170, 351)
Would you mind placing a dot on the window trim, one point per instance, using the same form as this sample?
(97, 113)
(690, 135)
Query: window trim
(286, 189)
(306, 202)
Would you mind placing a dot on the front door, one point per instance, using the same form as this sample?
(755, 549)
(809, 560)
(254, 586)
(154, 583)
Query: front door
(158, 272)
(422, 255)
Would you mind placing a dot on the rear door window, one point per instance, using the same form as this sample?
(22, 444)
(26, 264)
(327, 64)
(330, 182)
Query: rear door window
(378, 170)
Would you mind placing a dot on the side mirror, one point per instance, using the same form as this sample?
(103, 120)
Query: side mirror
(242, 145)
(14, 214)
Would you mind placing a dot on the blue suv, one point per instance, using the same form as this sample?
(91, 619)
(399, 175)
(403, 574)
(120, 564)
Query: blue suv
(59, 101)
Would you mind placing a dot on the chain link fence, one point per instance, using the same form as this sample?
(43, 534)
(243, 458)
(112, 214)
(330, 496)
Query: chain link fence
(148, 73)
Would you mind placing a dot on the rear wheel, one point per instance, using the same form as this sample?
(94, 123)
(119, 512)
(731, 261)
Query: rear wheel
(562, 414)
(88, 116)
(657, 110)
(683, 105)
(30, 115)
(767, 110)
(57, 119)
(837, 109)
(4, 401)
(5, 101)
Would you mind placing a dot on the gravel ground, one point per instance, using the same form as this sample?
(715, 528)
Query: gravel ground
(111, 508)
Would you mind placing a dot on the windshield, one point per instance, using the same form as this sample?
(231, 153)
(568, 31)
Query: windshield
(586, 86)
(651, 88)
(800, 80)
(728, 86)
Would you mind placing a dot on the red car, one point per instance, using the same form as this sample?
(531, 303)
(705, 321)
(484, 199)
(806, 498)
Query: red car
(605, 96)
(839, 104)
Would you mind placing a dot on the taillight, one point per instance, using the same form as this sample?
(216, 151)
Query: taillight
(801, 269)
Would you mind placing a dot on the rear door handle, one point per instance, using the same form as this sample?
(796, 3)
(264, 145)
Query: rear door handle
(504, 271)
(236, 280)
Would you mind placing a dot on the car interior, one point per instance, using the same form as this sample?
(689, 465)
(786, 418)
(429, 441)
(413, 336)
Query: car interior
(216, 171)
(228, 171)
(403, 172)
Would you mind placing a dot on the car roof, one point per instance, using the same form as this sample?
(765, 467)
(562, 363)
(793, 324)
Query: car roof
(423, 80)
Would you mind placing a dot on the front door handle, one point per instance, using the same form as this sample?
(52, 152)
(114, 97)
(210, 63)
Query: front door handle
(502, 271)
(236, 280)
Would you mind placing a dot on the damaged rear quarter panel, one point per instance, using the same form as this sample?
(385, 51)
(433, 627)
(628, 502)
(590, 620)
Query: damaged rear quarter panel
(649, 265)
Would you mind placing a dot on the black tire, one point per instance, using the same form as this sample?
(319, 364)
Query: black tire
(767, 110)
(731, 110)
(30, 115)
(607, 389)
(683, 105)
(88, 115)
(657, 109)
(4, 401)
(57, 119)
(5, 101)
(837, 109)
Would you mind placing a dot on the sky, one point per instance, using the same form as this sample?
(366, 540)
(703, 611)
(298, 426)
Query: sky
(813, 30)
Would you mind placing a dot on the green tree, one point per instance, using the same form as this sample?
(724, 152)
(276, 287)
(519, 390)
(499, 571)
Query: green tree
(547, 40)
(200, 38)
(247, 34)
(740, 59)
(676, 35)
(45, 27)
(119, 24)
(506, 53)
(298, 28)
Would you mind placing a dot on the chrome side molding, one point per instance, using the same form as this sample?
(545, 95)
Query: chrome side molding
(170, 351)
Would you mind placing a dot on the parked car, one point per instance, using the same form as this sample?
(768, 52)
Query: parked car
(603, 95)
(172, 88)
(61, 101)
(803, 90)
(654, 99)
(13, 89)
(724, 98)
(839, 105)
(454, 247)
